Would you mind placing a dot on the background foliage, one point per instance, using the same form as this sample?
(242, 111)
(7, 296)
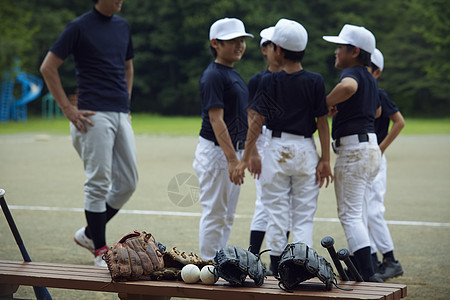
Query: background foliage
(171, 44)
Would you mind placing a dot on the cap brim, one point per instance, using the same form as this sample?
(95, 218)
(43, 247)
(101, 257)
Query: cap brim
(267, 33)
(335, 40)
(234, 35)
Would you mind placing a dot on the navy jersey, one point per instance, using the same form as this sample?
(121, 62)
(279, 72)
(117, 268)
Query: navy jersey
(253, 84)
(382, 123)
(100, 46)
(357, 114)
(291, 102)
(222, 87)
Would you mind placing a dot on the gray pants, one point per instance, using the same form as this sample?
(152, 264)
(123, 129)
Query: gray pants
(108, 151)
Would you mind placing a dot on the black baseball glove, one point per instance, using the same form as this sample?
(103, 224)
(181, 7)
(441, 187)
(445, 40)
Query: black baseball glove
(298, 263)
(234, 264)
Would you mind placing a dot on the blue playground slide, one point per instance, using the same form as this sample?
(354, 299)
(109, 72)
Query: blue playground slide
(16, 109)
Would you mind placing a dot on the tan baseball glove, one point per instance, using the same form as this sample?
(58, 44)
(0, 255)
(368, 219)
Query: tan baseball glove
(174, 261)
(134, 257)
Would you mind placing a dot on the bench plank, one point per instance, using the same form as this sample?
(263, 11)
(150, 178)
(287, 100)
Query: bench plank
(80, 277)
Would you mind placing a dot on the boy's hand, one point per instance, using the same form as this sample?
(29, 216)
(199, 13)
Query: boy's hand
(232, 165)
(254, 165)
(323, 173)
(238, 174)
(332, 111)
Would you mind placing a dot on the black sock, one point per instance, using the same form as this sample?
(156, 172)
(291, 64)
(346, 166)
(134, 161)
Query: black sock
(110, 212)
(256, 239)
(87, 232)
(375, 258)
(389, 256)
(96, 227)
(364, 260)
(274, 261)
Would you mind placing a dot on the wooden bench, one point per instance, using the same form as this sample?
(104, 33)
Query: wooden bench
(80, 277)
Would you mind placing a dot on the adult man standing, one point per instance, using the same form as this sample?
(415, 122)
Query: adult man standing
(100, 124)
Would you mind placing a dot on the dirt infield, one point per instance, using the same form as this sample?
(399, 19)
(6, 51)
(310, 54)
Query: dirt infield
(43, 179)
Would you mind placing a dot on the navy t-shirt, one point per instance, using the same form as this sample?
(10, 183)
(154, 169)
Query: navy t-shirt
(253, 84)
(222, 87)
(100, 46)
(382, 123)
(357, 114)
(291, 102)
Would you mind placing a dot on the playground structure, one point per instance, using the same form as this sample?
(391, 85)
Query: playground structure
(16, 109)
(49, 107)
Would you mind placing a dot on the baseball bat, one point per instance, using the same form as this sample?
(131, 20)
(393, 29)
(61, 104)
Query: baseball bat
(328, 242)
(344, 254)
(40, 292)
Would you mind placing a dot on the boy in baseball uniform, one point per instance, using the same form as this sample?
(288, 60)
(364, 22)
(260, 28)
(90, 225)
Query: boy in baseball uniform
(259, 222)
(292, 105)
(224, 98)
(354, 103)
(380, 236)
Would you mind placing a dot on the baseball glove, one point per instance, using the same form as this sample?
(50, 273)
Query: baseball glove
(298, 263)
(234, 264)
(134, 257)
(174, 261)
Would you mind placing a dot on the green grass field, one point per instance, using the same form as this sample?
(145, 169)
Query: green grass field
(185, 126)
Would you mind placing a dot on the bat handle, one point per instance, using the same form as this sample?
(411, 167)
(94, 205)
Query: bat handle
(13, 227)
(344, 254)
(328, 242)
(40, 292)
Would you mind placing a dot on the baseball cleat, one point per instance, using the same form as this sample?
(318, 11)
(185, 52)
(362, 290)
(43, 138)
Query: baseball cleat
(390, 269)
(82, 240)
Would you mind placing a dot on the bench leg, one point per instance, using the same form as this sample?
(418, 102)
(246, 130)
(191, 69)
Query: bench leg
(123, 296)
(8, 290)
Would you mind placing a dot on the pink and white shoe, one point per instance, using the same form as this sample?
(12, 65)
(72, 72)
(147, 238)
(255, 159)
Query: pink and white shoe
(82, 240)
(98, 260)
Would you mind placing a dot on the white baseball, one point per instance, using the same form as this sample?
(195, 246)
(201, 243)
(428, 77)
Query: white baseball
(190, 273)
(207, 275)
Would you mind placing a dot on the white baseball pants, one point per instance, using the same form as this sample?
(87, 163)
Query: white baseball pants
(260, 218)
(108, 152)
(380, 236)
(357, 164)
(218, 196)
(288, 178)
(259, 221)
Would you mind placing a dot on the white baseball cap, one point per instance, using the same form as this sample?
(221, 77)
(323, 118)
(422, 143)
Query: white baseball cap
(377, 59)
(288, 34)
(264, 33)
(354, 35)
(227, 29)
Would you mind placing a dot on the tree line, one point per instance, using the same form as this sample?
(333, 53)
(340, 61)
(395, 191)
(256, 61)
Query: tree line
(171, 44)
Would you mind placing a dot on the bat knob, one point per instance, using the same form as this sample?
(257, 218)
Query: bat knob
(327, 242)
(343, 254)
(2, 192)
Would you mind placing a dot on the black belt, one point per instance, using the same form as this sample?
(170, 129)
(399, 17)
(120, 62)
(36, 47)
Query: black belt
(239, 145)
(277, 134)
(362, 137)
